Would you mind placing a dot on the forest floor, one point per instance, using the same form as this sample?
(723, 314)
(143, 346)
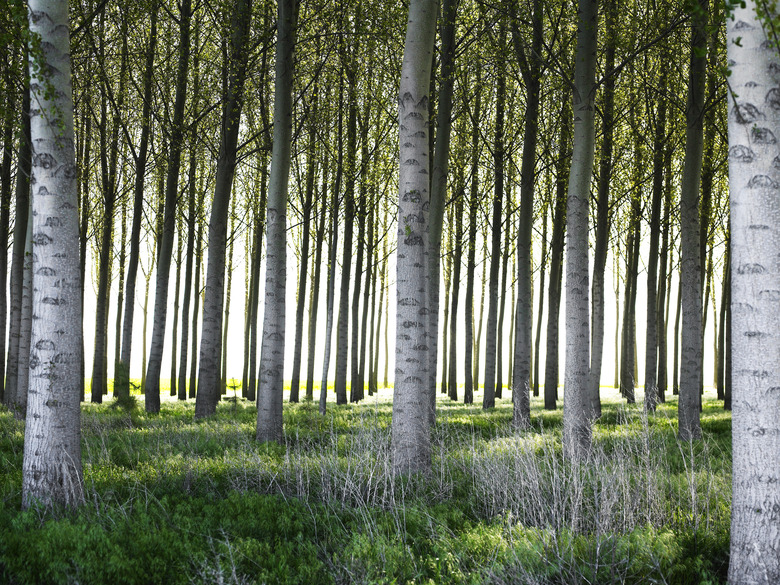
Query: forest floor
(172, 500)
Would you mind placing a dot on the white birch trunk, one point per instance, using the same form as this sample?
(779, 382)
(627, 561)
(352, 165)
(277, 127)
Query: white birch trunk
(271, 382)
(576, 408)
(411, 448)
(754, 177)
(51, 471)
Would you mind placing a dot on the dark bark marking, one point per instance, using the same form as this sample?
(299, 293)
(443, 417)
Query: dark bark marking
(741, 153)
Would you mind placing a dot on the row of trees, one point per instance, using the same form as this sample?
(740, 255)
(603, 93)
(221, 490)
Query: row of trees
(640, 175)
(148, 150)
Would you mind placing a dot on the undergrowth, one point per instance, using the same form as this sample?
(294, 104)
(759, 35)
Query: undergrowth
(172, 500)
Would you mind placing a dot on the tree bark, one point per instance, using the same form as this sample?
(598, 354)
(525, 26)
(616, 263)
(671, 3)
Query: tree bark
(452, 381)
(122, 368)
(480, 320)
(724, 302)
(190, 251)
(411, 446)
(303, 275)
(754, 122)
(120, 300)
(676, 360)
(474, 199)
(5, 217)
(531, 68)
(209, 378)
(22, 195)
(51, 469)
(342, 325)
(489, 396)
(314, 299)
(689, 426)
(540, 311)
(369, 270)
(193, 385)
(576, 416)
(441, 157)
(372, 334)
(251, 394)
(628, 344)
(271, 382)
(152, 390)
(355, 387)
(175, 331)
(108, 165)
(664, 284)
(556, 265)
(229, 276)
(332, 250)
(603, 216)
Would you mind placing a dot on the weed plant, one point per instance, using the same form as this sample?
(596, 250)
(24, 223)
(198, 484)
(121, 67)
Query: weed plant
(177, 501)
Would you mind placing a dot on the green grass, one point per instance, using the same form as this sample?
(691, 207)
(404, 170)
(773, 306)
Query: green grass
(173, 500)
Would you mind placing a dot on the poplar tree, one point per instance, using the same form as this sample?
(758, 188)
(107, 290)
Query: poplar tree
(51, 468)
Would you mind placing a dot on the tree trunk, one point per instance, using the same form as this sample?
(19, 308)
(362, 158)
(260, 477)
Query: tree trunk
(306, 210)
(540, 313)
(83, 184)
(724, 300)
(211, 337)
(755, 282)
(474, 200)
(193, 386)
(122, 368)
(333, 239)
(664, 285)
(152, 390)
(315, 285)
(24, 163)
(628, 343)
(556, 265)
(676, 360)
(175, 332)
(411, 446)
(380, 306)
(5, 219)
(188, 293)
(576, 416)
(489, 396)
(441, 156)
(355, 389)
(521, 380)
(147, 278)
(109, 188)
(342, 326)
(51, 470)
(229, 275)
(499, 388)
(271, 382)
(689, 426)
(251, 394)
(447, 273)
(480, 320)
(370, 263)
(25, 331)
(603, 216)
(452, 381)
(372, 334)
(120, 300)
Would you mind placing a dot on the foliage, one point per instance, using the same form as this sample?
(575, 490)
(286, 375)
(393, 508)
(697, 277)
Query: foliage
(171, 500)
